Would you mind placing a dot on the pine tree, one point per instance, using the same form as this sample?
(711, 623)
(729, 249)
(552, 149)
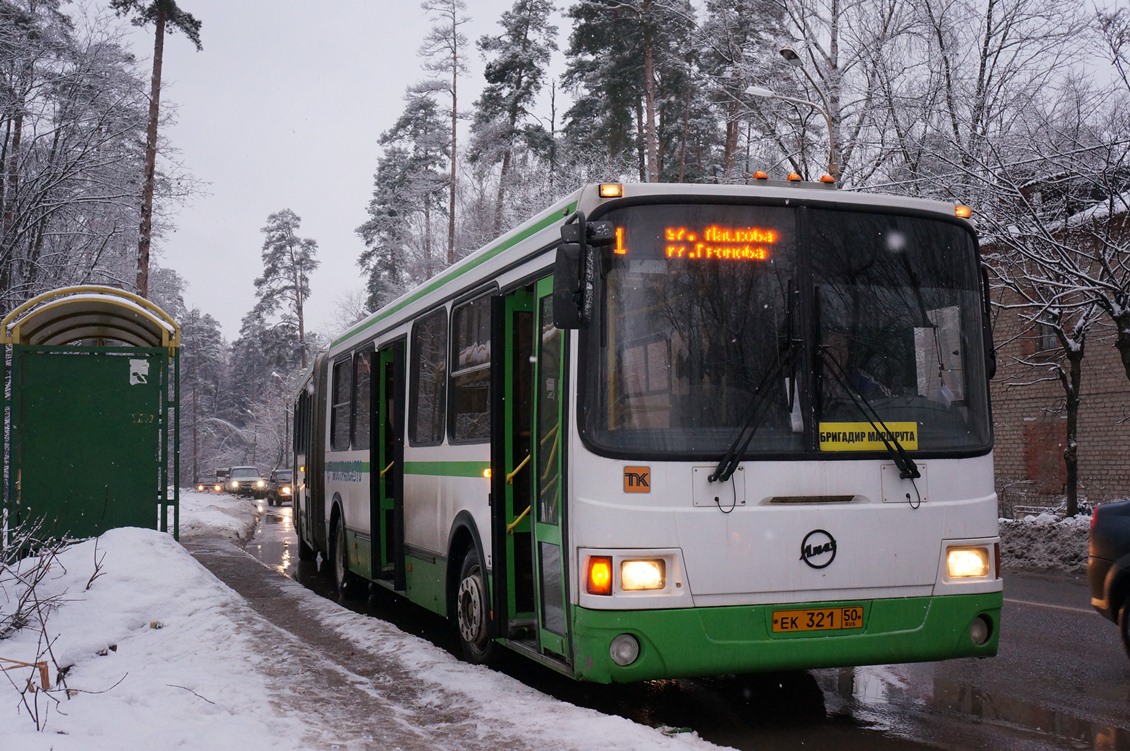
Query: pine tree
(165, 16)
(443, 50)
(288, 261)
(408, 189)
(515, 73)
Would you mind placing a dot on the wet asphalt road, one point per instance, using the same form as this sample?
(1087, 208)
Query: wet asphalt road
(1060, 680)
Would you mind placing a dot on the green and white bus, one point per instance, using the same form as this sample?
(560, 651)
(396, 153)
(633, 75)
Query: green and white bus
(675, 430)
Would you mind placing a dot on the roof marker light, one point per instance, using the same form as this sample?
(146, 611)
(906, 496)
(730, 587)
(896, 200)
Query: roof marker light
(962, 211)
(827, 179)
(760, 175)
(794, 177)
(611, 190)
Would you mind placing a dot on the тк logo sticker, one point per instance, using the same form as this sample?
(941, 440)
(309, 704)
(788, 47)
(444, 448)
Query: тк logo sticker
(818, 549)
(637, 479)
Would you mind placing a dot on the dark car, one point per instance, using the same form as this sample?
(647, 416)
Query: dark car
(1108, 565)
(247, 481)
(208, 485)
(280, 487)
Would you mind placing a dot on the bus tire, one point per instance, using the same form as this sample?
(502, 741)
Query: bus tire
(472, 610)
(1124, 625)
(344, 579)
(305, 552)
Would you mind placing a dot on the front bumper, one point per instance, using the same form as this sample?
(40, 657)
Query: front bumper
(739, 639)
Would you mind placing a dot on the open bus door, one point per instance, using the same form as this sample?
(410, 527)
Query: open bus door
(529, 562)
(387, 479)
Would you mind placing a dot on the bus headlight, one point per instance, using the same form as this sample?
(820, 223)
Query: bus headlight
(967, 562)
(641, 575)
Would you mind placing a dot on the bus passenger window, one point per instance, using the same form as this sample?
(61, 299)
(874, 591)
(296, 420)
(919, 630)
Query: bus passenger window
(470, 372)
(339, 417)
(362, 398)
(429, 380)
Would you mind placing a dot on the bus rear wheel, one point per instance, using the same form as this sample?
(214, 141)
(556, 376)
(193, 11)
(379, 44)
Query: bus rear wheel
(472, 612)
(346, 580)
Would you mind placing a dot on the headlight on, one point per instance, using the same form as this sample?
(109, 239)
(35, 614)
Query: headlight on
(967, 563)
(641, 575)
(286, 490)
(260, 483)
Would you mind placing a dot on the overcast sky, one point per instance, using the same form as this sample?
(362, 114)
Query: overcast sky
(282, 109)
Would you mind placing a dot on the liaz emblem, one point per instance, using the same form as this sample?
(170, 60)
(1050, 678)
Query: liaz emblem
(818, 549)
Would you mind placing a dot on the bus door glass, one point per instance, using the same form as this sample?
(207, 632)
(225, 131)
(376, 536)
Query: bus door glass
(549, 401)
(388, 466)
(513, 321)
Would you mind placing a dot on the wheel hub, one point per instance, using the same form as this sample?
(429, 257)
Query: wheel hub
(470, 609)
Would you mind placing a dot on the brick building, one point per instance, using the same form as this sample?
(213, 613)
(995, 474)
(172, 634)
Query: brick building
(1030, 420)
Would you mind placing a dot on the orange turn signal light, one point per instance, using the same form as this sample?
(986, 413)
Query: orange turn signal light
(598, 580)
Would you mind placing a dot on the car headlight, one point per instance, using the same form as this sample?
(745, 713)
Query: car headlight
(286, 490)
(641, 575)
(200, 487)
(234, 485)
(260, 483)
(967, 562)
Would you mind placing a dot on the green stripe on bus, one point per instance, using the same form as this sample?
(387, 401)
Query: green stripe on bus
(351, 466)
(446, 469)
(443, 278)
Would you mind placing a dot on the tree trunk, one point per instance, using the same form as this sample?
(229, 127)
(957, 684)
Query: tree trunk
(454, 151)
(1072, 379)
(649, 105)
(146, 228)
(1122, 339)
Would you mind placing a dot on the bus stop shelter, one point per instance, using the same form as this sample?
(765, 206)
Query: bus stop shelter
(92, 376)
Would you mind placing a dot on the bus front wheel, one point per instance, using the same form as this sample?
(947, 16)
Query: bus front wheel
(472, 612)
(305, 552)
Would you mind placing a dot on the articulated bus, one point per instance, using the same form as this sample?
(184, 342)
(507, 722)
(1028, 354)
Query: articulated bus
(675, 430)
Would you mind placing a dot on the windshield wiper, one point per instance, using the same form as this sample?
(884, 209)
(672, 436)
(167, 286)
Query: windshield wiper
(730, 461)
(908, 470)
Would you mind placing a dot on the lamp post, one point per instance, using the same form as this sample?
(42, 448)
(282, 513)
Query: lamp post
(794, 59)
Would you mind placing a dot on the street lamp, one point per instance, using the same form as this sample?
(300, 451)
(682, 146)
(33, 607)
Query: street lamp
(794, 60)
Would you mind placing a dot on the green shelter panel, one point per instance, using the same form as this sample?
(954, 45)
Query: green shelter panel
(87, 446)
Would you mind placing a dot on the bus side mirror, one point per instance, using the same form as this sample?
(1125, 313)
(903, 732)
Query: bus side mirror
(574, 270)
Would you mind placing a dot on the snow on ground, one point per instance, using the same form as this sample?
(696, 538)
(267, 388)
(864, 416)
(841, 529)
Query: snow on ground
(158, 654)
(1045, 543)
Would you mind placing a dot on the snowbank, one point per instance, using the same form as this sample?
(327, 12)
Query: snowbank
(146, 649)
(1045, 543)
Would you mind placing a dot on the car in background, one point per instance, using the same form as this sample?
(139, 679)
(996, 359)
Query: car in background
(208, 485)
(1108, 565)
(280, 487)
(247, 481)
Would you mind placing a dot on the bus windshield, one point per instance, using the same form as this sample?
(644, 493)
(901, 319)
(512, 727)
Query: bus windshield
(818, 318)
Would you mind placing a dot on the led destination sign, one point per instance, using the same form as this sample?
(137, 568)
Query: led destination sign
(713, 243)
(717, 243)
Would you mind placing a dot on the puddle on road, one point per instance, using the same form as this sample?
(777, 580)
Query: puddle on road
(884, 692)
(876, 708)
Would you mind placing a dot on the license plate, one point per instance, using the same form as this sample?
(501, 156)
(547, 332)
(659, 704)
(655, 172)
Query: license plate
(818, 619)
